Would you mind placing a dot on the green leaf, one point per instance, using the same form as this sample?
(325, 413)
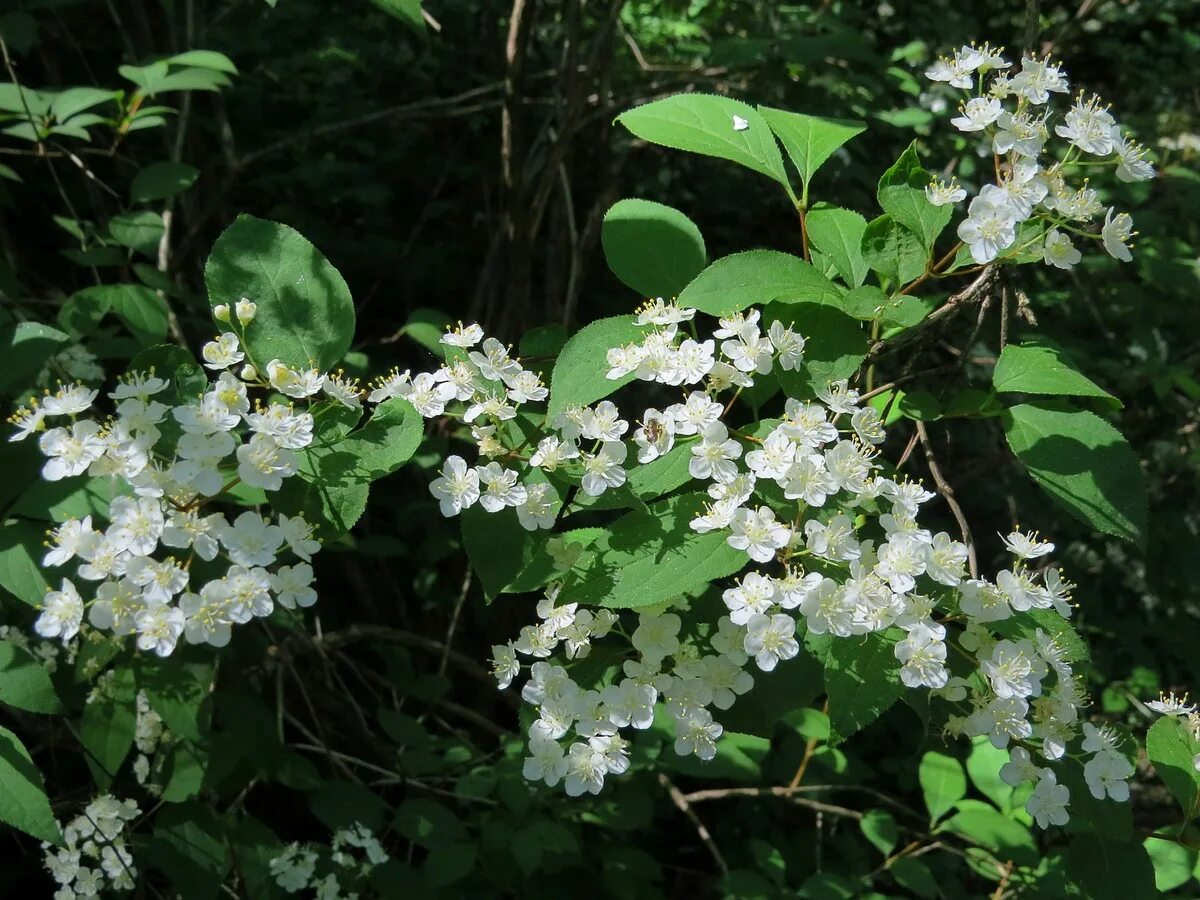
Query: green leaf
(1037, 366)
(756, 277)
(24, 681)
(653, 249)
(407, 11)
(902, 196)
(862, 679)
(450, 863)
(189, 846)
(140, 231)
(107, 727)
(179, 693)
(983, 767)
(26, 347)
(305, 313)
(651, 556)
(880, 829)
(428, 823)
(1007, 838)
(23, 803)
(426, 327)
(76, 100)
(1083, 463)
(914, 875)
(160, 180)
(1106, 869)
(942, 782)
(704, 123)
(20, 554)
(579, 372)
(739, 756)
(838, 233)
(1171, 749)
(204, 59)
(141, 310)
(84, 309)
(386, 442)
(835, 346)
(809, 140)
(1173, 863)
(892, 251)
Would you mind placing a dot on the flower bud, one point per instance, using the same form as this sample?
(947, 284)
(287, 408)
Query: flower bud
(249, 373)
(221, 312)
(245, 310)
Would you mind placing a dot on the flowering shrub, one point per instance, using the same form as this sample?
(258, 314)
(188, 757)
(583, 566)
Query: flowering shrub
(735, 519)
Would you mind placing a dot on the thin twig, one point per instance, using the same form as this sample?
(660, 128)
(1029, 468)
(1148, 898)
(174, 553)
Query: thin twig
(782, 792)
(947, 492)
(975, 291)
(681, 803)
(458, 605)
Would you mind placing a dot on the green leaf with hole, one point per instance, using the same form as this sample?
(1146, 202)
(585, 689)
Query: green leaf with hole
(711, 126)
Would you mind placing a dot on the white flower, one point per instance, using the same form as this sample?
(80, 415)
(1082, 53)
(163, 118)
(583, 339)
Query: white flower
(988, 229)
(1107, 774)
(187, 528)
(1048, 802)
(394, 384)
(160, 580)
(717, 516)
(586, 768)
(135, 525)
(789, 346)
(1134, 165)
(868, 425)
(754, 595)
(758, 533)
(691, 361)
(207, 614)
(630, 704)
(223, 352)
(839, 397)
(770, 639)
(546, 762)
(62, 613)
(1096, 740)
(977, 114)
(65, 540)
(344, 390)
(494, 363)
(942, 193)
(655, 437)
(833, 539)
(1088, 126)
(117, 603)
(526, 387)
(658, 312)
(1027, 546)
(1019, 769)
(69, 400)
(140, 385)
(293, 586)
(807, 479)
(923, 655)
(264, 464)
(159, 628)
(297, 383)
(1002, 720)
(251, 540)
(499, 488)
(70, 452)
(695, 414)
(774, 456)
(945, 559)
(539, 509)
(1037, 79)
(457, 488)
(603, 470)
(1014, 669)
(1059, 251)
(657, 637)
(697, 734)
(604, 423)
(27, 422)
(1116, 233)
(551, 452)
(1172, 705)
(714, 456)
(505, 664)
(1020, 134)
(463, 335)
(245, 310)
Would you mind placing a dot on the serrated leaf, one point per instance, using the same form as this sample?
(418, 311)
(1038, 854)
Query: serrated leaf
(305, 313)
(1084, 463)
(892, 251)
(704, 123)
(579, 376)
(942, 782)
(648, 557)
(24, 681)
(835, 346)
(1106, 869)
(107, 727)
(809, 140)
(1037, 366)
(862, 679)
(23, 803)
(838, 234)
(653, 249)
(20, 554)
(141, 231)
(901, 194)
(756, 277)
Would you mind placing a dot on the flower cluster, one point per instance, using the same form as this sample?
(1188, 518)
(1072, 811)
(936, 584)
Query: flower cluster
(1033, 206)
(834, 544)
(95, 856)
(165, 564)
(295, 869)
